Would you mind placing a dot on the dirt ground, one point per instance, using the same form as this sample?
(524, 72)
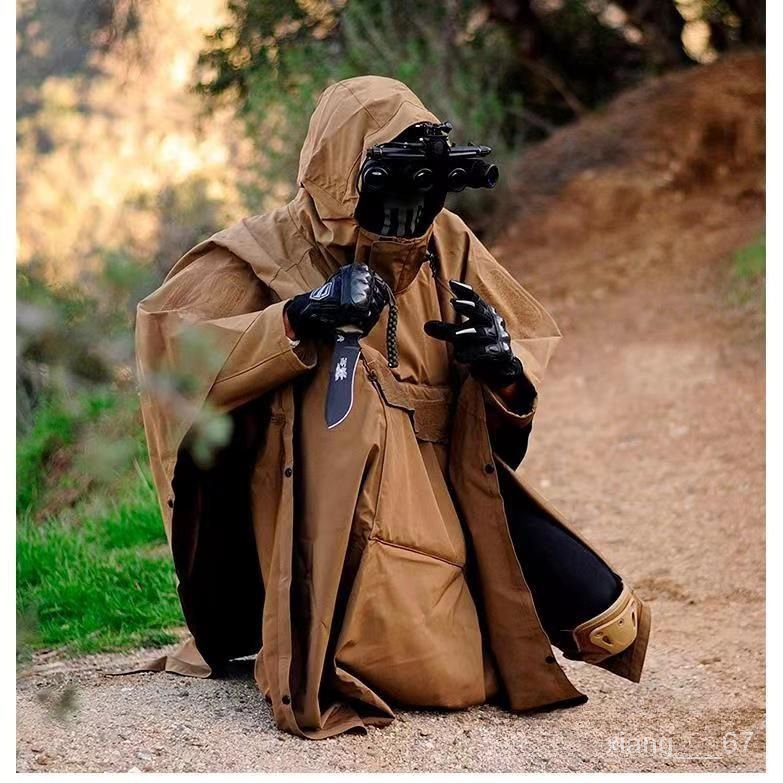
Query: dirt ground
(650, 435)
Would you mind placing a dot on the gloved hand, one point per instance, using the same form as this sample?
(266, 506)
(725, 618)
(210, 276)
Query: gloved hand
(481, 340)
(352, 296)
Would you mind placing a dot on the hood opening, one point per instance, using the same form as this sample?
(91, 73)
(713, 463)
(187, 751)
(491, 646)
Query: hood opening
(350, 117)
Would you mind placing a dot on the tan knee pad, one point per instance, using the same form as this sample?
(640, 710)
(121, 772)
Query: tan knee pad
(611, 632)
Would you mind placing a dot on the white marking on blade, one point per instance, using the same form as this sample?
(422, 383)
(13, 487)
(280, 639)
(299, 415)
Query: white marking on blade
(341, 371)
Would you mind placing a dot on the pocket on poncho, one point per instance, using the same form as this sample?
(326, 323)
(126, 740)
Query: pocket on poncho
(411, 630)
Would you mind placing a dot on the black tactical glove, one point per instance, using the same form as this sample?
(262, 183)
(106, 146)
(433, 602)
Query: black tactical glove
(481, 340)
(352, 296)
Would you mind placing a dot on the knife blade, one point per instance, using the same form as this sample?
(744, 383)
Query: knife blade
(339, 395)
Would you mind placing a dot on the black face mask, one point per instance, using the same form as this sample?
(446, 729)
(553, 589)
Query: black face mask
(403, 184)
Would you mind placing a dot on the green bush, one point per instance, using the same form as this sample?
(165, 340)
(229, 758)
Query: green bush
(750, 263)
(93, 567)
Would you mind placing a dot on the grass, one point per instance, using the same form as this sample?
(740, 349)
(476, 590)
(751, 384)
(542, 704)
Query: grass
(750, 262)
(97, 575)
(748, 275)
(54, 427)
(90, 598)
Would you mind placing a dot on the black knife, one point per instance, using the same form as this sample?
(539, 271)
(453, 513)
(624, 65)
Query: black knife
(339, 396)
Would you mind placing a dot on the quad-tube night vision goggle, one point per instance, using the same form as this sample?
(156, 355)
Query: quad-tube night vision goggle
(422, 160)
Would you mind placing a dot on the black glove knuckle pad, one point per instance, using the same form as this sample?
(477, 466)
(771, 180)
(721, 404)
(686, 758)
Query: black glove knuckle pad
(481, 340)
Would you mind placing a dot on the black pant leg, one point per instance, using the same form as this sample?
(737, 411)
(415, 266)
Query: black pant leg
(569, 582)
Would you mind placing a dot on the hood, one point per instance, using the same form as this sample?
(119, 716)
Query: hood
(350, 117)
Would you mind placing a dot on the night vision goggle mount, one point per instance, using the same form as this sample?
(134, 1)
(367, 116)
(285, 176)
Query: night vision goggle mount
(425, 160)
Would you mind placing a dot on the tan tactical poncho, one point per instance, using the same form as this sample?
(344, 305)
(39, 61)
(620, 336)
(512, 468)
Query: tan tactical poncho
(370, 564)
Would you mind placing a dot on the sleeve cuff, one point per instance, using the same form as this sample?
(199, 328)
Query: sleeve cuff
(517, 416)
(262, 360)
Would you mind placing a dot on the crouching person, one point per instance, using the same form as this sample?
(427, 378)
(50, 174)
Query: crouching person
(359, 526)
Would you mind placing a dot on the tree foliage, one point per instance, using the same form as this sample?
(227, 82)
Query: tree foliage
(503, 71)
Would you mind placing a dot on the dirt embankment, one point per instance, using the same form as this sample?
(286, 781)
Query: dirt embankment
(650, 434)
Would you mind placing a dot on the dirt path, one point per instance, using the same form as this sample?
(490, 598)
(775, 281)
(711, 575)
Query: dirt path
(650, 435)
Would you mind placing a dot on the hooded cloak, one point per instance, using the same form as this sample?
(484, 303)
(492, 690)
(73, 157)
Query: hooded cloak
(371, 564)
